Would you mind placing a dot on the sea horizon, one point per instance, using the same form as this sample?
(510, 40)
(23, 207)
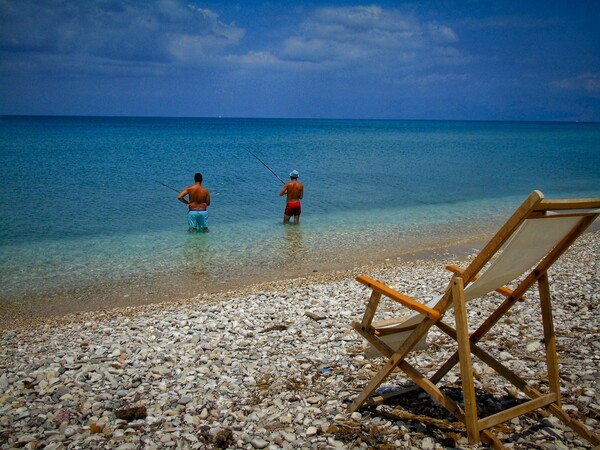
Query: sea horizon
(395, 119)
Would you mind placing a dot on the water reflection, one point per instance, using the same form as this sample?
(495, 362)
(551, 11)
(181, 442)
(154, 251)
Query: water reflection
(197, 253)
(293, 245)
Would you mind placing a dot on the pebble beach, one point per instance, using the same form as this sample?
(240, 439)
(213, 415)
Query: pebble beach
(275, 365)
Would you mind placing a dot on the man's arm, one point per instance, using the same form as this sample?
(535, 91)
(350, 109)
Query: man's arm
(181, 196)
(301, 196)
(207, 198)
(284, 190)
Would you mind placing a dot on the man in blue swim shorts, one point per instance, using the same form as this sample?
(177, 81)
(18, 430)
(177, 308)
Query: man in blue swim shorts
(197, 220)
(198, 202)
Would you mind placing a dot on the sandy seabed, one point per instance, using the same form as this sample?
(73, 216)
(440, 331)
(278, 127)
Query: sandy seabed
(252, 368)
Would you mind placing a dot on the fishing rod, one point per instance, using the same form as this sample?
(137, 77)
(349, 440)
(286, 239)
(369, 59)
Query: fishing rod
(262, 162)
(166, 185)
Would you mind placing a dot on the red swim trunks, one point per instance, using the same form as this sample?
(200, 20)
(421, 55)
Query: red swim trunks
(293, 209)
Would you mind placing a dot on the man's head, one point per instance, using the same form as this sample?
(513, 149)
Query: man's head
(294, 174)
(198, 178)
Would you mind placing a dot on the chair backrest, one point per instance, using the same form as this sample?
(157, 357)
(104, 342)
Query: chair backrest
(534, 237)
(524, 248)
(531, 240)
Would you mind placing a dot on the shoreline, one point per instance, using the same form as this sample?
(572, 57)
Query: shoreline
(172, 289)
(251, 369)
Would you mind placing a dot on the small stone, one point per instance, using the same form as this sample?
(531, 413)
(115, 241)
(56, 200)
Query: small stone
(54, 446)
(556, 445)
(96, 428)
(584, 400)
(259, 443)
(56, 438)
(310, 431)
(131, 413)
(184, 400)
(62, 390)
(165, 438)
(336, 444)
(191, 420)
(26, 438)
(70, 431)
(290, 437)
(427, 444)
(534, 346)
(62, 415)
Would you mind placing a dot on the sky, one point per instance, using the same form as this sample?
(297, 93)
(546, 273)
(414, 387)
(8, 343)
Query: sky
(433, 60)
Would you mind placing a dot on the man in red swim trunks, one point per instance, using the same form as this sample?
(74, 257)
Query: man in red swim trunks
(295, 191)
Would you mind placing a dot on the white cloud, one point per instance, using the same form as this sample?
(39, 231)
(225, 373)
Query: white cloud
(172, 33)
(591, 82)
(364, 17)
(367, 35)
(256, 59)
(322, 50)
(164, 31)
(588, 82)
(433, 79)
(442, 33)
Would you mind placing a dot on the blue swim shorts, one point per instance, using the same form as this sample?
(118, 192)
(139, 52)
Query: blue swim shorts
(198, 219)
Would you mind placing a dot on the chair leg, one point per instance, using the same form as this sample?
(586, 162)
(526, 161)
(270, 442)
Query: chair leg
(549, 337)
(391, 364)
(370, 310)
(466, 368)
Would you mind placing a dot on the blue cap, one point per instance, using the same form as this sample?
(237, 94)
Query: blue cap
(294, 174)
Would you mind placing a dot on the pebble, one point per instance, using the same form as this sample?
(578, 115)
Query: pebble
(249, 369)
(310, 431)
(428, 444)
(259, 443)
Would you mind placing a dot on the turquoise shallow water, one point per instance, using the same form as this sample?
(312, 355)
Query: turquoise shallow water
(82, 211)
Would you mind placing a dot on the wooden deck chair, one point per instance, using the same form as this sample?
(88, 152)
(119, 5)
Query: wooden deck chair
(521, 252)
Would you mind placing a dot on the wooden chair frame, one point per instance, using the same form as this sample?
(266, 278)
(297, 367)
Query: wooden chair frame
(479, 429)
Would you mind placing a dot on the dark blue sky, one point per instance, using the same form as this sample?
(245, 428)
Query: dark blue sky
(474, 60)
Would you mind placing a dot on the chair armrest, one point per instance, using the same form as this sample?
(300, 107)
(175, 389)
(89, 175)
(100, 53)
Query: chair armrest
(400, 298)
(455, 269)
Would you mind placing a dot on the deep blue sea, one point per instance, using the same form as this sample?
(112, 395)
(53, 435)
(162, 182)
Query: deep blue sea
(84, 208)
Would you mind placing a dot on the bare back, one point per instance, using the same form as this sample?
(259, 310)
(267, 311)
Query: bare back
(294, 190)
(198, 197)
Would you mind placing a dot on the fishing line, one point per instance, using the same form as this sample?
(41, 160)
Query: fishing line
(166, 185)
(262, 162)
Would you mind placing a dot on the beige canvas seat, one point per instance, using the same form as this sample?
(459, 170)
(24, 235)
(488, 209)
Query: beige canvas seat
(520, 253)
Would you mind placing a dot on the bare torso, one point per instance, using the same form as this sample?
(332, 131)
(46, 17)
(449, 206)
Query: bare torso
(198, 197)
(294, 191)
